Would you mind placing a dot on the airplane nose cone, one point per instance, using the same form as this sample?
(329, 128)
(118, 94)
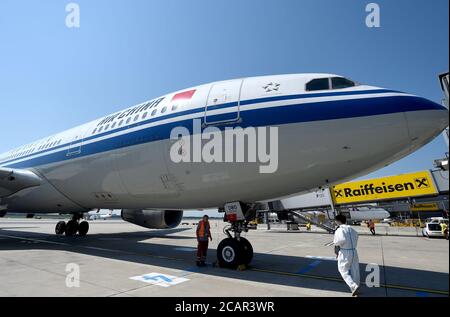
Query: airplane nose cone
(426, 123)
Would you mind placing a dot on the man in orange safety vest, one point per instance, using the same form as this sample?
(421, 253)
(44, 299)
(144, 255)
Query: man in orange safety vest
(203, 235)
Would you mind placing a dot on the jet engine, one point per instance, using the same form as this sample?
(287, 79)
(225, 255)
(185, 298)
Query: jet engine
(153, 219)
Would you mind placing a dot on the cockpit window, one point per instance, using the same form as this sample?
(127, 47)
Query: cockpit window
(340, 83)
(318, 84)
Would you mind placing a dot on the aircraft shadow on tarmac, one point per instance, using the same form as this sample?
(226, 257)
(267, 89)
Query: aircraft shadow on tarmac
(266, 268)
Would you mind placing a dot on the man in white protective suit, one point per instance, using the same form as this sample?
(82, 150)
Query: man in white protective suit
(346, 242)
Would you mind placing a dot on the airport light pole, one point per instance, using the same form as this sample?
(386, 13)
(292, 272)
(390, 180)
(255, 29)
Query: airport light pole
(444, 80)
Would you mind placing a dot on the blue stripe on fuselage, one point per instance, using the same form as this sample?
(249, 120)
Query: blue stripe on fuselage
(277, 115)
(202, 109)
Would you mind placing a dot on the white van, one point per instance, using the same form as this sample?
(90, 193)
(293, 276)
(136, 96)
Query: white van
(433, 227)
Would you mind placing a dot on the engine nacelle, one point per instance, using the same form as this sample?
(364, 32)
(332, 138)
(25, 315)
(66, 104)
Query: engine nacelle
(153, 219)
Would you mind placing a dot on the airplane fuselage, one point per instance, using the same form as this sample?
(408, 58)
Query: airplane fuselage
(324, 136)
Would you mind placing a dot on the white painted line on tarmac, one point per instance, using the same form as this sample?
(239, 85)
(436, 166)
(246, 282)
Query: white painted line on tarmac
(33, 240)
(92, 248)
(102, 249)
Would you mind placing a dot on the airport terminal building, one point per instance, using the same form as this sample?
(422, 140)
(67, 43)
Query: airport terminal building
(418, 195)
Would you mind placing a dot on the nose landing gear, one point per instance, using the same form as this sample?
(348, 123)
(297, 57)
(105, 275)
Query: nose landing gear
(72, 227)
(235, 251)
(232, 253)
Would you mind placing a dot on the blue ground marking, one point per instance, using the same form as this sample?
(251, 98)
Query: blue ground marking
(186, 249)
(158, 277)
(309, 267)
(422, 294)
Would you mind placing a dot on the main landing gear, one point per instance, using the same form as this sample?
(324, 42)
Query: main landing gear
(235, 250)
(72, 227)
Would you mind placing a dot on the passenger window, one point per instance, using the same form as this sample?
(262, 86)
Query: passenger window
(154, 112)
(136, 118)
(174, 107)
(113, 125)
(163, 109)
(101, 129)
(318, 84)
(120, 123)
(340, 83)
(128, 120)
(144, 115)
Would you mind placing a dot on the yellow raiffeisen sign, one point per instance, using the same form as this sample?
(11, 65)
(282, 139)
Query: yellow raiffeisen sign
(393, 187)
(425, 207)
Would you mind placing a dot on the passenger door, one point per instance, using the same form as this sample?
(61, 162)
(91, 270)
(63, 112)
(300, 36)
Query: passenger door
(75, 145)
(223, 103)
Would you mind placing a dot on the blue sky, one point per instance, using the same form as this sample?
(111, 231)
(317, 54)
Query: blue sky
(53, 78)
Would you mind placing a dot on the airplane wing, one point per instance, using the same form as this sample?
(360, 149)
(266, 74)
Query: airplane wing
(14, 180)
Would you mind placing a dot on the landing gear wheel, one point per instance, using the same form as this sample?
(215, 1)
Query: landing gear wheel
(230, 253)
(247, 248)
(83, 228)
(60, 228)
(71, 228)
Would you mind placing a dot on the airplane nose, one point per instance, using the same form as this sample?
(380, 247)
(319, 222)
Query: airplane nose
(427, 121)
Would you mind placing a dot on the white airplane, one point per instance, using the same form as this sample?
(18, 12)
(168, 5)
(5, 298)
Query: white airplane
(330, 129)
(94, 215)
(365, 213)
(360, 213)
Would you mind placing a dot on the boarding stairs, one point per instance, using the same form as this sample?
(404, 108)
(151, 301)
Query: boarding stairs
(326, 227)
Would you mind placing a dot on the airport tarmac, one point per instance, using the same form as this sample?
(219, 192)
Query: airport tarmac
(34, 260)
